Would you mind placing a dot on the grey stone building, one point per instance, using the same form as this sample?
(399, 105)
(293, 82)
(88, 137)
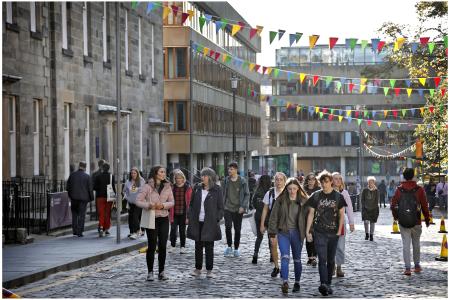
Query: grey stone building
(59, 83)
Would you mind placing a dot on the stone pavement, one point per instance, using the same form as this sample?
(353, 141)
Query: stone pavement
(373, 270)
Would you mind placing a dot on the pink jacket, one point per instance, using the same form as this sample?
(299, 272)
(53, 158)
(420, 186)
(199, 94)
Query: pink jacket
(149, 195)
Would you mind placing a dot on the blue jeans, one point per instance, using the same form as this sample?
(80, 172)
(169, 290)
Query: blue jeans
(286, 241)
(326, 245)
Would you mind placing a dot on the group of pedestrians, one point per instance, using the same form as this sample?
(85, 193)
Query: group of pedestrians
(293, 213)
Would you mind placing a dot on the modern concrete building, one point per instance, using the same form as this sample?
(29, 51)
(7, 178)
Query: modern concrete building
(301, 142)
(59, 83)
(203, 86)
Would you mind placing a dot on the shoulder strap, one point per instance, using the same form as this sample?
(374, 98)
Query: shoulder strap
(110, 178)
(272, 196)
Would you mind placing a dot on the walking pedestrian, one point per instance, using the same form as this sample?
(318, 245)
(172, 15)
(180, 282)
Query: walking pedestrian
(311, 185)
(391, 190)
(369, 204)
(327, 212)
(79, 189)
(287, 222)
(133, 186)
(156, 195)
(442, 193)
(251, 186)
(103, 206)
(182, 192)
(339, 186)
(264, 184)
(382, 190)
(410, 197)
(100, 164)
(269, 200)
(236, 200)
(205, 213)
(430, 190)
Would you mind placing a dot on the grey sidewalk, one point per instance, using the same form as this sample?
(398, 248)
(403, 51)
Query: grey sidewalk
(23, 264)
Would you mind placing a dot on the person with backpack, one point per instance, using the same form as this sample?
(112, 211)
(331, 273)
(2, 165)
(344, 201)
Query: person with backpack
(369, 207)
(407, 205)
(269, 200)
(310, 186)
(264, 184)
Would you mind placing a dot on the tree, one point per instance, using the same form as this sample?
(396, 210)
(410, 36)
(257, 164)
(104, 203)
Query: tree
(432, 17)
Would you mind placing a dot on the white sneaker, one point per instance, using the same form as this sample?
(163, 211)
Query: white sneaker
(133, 236)
(183, 250)
(150, 276)
(209, 274)
(171, 249)
(196, 272)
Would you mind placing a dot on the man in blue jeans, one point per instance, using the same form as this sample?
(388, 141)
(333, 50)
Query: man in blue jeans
(327, 212)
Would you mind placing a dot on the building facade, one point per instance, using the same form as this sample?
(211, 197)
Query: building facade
(198, 83)
(59, 87)
(301, 141)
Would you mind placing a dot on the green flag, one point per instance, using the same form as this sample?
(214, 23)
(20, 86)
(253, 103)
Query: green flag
(245, 65)
(134, 4)
(366, 113)
(321, 114)
(386, 90)
(431, 92)
(364, 44)
(202, 21)
(359, 121)
(392, 81)
(276, 72)
(298, 36)
(446, 41)
(272, 35)
(224, 23)
(338, 85)
(403, 112)
(228, 59)
(331, 111)
(328, 80)
(431, 46)
(353, 43)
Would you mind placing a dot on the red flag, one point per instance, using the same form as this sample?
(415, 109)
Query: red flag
(351, 86)
(217, 56)
(174, 10)
(424, 41)
(443, 92)
(211, 52)
(315, 79)
(257, 68)
(264, 70)
(397, 91)
(330, 117)
(369, 122)
(380, 46)
(253, 31)
(333, 41)
(395, 113)
(324, 110)
(437, 80)
(431, 108)
(184, 17)
(356, 114)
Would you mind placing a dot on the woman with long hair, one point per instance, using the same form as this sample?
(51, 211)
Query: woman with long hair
(269, 200)
(311, 185)
(132, 188)
(264, 184)
(205, 213)
(369, 205)
(288, 223)
(339, 186)
(156, 195)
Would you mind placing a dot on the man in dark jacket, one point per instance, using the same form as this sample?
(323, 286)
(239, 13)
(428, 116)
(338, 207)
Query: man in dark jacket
(382, 190)
(411, 234)
(79, 188)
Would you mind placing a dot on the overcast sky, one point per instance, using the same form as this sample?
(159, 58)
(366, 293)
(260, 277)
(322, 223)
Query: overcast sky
(339, 18)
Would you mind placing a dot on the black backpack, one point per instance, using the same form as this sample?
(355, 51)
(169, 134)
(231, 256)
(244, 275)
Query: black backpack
(408, 208)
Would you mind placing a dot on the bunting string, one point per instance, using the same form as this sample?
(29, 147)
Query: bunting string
(391, 155)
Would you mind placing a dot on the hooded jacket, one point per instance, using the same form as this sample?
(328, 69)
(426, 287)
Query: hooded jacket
(421, 199)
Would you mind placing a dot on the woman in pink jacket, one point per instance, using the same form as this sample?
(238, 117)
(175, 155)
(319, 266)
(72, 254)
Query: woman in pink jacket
(156, 195)
(338, 185)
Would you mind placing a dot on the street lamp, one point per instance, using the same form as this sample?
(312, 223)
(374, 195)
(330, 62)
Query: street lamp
(234, 83)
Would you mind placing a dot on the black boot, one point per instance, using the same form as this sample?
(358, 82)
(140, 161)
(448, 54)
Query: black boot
(371, 237)
(367, 236)
(255, 259)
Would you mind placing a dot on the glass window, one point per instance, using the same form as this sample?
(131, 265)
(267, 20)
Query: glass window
(315, 138)
(181, 116)
(348, 139)
(171, 116)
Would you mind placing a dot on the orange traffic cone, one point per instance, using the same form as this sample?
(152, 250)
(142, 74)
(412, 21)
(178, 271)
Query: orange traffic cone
(431, 219)
(444, 250)
(395, 229)
(8, 294)
(442, 229)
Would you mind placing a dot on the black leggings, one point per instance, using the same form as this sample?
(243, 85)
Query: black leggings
(160, 233)
(259, 238)
(180, 222)
(134, 218)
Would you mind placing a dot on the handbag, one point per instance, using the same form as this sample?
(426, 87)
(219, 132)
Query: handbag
(110, 194)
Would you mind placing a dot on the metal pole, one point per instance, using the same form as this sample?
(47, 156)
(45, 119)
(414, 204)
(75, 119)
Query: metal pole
(439, 151)
(191, 155)
(360, 166)
(118, 170)
(247, 158)
(232, 122)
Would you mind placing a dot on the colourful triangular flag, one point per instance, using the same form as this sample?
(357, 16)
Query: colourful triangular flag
(174, 10)
(437, 80)
(431, 47)
(379, 123)
(392, 81)
(292, 39)
(397, 91)
(149, 7)
(422, 81)
(408, 82)
(302, 77)
(253, 32)
(313, 40)
(340, 118)
(166, 11)
(359, 121)
(414, 47)
(333, 41)
(351, 43)
(315, 79)
(399, 43)
(386, 90)
(409, 92)
(380, 46)
(235, 29)
(424, 41)
(134, 4)
(443, 92)
(276, 72)
(351, 86)
(404, 112)
(338, 86)
(184, 17)
(321, 114)
(328, 81)
(364, 44)
(298, 36)
(201, 21)
(280, 33)
(431, 92)
(375, 44)
(259, 29)
(272, 35)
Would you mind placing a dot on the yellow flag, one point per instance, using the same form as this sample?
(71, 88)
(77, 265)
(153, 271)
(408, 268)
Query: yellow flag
(363, 80)
(224, 57)
(317, 109)
(385, 113)
(298, 108)
(302, 77)
(251, 66)
(259, 29)
(235, 29)
(205, 51)
(166, 12)
(422, 81)
(312, 40)
(409, 92)
(191, 14)
(261, 97)
(400, 42)
(362, 88)
(421, 111)
(288, 104)
(340, 118)
(269, 70)
(349, 112)
(379, 123)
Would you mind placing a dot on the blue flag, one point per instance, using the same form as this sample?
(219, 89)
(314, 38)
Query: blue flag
(375, 44)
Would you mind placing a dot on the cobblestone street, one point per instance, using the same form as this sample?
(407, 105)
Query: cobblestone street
(372, 269)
